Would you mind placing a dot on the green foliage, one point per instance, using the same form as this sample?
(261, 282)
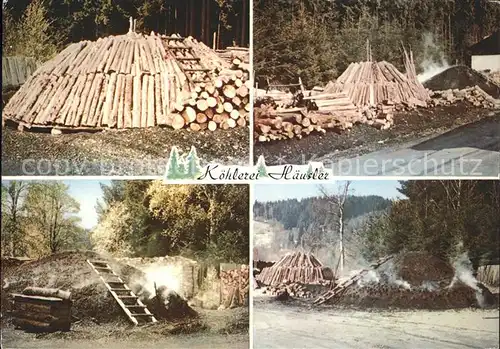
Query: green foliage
(13, 194)
(317, 39)
(302, 214)
(32, 35)
(38, 218)
(445, 218)
(51, 210)
(205, 221)
(76, 20)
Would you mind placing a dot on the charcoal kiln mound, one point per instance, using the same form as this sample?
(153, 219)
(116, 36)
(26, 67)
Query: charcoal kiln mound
(377, 295)
(70, 271)
(134, 81)
(296, 267)
(460, 77)
(418, 269)
(414, 280)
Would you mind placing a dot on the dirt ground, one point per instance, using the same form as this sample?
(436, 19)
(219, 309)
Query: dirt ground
(116, 152)
(296, 325)
(215, 329)
(362, 139)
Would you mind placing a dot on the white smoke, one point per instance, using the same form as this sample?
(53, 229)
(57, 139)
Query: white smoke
(430, 286)
(368, 278)
(402, 283)
(464, 272)
(389, 277)
(156, 277)
(434, 59)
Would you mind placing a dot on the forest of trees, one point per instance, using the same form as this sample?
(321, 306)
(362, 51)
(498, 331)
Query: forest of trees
(149, 218)
(318, 39)
(444, 218)
(313, 222)
(135, 218)
(39, 218)
(39, 28)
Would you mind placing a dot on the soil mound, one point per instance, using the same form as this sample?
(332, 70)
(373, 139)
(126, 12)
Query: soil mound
(70, 271)
(460, 77)
(419, 268)
(67, 271)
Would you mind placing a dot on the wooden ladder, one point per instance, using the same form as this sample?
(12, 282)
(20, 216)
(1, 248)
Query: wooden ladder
(135, 310)
(189, 62)
(339, 289)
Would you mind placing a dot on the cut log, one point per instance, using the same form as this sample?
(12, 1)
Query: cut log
(212, 126)
(189, 115)
(177, 121)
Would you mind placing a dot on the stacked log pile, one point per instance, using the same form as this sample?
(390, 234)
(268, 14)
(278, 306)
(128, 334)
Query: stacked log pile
(366, 92)
(221, 102)
(42, 309)
(231, 52)
(134, 81)
(297, 267)
(279, 99)
(235, 287)
(474, 95)
(297, 289)
(276, 124)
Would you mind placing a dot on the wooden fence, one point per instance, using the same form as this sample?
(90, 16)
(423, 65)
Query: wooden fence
(16, 70)
(489, 274)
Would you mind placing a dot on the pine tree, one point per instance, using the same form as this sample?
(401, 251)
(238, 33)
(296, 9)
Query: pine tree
(173, 164)
(261, 167)
(193, 164)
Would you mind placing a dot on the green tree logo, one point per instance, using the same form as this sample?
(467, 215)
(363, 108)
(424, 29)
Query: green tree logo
(175, 166)
(183, 167)
(193, 164)
(261, 167)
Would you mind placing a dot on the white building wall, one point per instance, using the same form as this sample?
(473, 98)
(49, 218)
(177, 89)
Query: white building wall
(486, 62)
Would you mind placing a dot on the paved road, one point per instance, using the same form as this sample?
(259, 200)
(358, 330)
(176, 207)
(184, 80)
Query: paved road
(279, 326)
(471, 150)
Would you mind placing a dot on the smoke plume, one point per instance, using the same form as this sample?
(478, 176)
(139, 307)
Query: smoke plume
(434, 61)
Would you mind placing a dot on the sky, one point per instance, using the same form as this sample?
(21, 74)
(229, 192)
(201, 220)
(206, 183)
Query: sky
(274, 192)
(86, 192)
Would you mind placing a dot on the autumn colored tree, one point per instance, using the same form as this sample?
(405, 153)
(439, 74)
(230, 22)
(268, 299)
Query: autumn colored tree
(51, 212)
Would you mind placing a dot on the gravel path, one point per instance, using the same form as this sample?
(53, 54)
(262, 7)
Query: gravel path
(278, 325)
(126, 152)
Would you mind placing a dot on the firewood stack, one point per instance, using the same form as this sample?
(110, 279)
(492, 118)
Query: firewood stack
(297, 267)
(134, 81)
(235, 287)
(220, 103)
(297, 289)
(42, 309)
(474, 95)
(271, 124)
